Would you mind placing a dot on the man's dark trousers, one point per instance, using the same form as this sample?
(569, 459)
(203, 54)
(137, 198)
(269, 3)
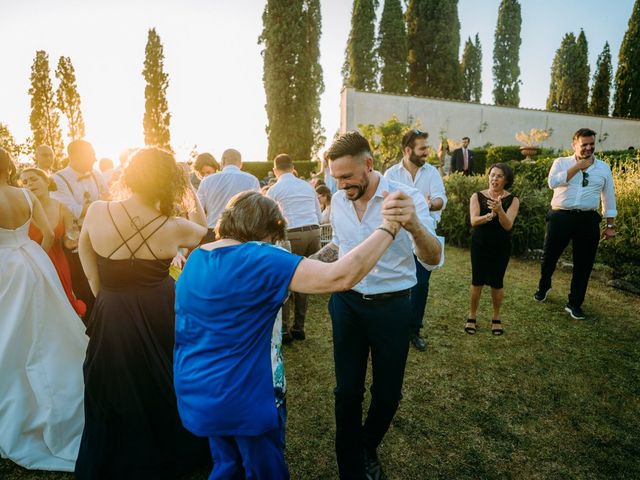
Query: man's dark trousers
(361, 326)
(419, 296)
(582, 228)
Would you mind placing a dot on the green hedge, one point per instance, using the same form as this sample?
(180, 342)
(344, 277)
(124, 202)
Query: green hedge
(260, 169)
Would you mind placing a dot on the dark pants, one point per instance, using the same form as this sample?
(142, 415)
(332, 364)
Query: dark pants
(302, 243)
(583, 230)
(419, 296)
(258, 457)
(361, 326)
(80, 283)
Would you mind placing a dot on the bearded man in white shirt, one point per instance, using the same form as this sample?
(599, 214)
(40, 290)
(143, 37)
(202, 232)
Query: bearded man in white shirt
(580, 183)
(375, 316)
(299, 204)
(413, 170)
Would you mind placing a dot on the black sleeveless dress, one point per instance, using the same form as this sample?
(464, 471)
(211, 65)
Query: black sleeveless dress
(490, 247)
(132, 428)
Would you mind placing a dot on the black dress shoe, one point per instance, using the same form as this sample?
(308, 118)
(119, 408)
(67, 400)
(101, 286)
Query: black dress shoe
(372, 467)
(418, 342)
(286, 338)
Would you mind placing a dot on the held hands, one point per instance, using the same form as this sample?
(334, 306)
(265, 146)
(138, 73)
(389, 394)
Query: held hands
(399, 208)
(495, 206)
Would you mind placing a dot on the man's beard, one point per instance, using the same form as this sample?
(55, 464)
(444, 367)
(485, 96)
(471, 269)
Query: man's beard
(361, 189)
(417, 160)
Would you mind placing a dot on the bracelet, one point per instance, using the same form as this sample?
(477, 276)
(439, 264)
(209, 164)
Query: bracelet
(384, 229)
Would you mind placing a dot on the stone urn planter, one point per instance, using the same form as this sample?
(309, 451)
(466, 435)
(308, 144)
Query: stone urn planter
(528, 152)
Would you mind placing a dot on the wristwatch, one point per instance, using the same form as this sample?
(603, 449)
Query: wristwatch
(610, 225)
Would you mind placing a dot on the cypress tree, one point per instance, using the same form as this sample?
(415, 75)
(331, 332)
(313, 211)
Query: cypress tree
(581, 74)
(292, 76)
(627, 96)
(156, 109)
(392, 49)
(472, 70)
(506, 55)
(601, 90)
(360, 68)
(417, 47)
(8, 142)
(44, 118)
(68, 99)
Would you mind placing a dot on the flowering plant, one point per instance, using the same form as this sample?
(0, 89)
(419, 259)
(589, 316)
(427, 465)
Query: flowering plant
(534, 137)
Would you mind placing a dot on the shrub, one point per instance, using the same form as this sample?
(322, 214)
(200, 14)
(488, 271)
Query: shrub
(260, 169)
(479, 161)
(503, 153)
(535, 173)
(622, 252)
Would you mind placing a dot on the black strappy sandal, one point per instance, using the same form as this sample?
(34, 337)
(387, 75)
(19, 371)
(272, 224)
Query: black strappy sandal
(496, 331)
(471, 330)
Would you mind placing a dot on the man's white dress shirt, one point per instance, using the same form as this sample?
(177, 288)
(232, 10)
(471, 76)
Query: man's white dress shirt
(396, 270)
(216, 190)
(74, 189)
(572, 195)
(427, 181)
(298, 201)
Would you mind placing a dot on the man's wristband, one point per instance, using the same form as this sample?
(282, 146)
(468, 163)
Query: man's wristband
(384, 229)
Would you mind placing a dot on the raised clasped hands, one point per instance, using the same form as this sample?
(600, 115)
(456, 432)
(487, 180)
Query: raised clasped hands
(495, 206)
(399, 208)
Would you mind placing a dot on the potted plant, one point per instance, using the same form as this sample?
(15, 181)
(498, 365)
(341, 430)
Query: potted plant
(531, 141)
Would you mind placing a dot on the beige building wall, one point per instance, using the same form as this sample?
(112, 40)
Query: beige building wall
(482, 123)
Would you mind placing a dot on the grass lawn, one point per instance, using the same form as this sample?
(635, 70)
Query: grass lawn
(553, 398)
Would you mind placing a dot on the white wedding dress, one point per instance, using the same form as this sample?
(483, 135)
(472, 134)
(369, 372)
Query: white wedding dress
(42, 348)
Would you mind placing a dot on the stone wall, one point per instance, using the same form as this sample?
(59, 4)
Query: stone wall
(482, 123)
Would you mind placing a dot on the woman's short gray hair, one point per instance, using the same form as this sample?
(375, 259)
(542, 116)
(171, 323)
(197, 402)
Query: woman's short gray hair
(250, 216)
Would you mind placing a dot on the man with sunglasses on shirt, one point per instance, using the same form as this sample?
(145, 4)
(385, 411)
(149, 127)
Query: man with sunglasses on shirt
(579, 183)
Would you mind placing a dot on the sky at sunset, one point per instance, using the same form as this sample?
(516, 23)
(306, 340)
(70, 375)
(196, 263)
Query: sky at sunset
(213, 59)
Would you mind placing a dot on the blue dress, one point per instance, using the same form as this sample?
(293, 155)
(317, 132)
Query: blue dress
(227, 301)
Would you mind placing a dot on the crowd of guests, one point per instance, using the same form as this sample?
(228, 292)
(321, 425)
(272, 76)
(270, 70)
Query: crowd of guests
(113, 370)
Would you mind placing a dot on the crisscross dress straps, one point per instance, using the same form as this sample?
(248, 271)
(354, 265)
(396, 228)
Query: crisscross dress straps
(125, 241)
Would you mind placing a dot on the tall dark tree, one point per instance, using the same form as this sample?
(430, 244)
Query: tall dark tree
(292, 76)
(8, 142)
(437, 26)
(416, 18)
(581, 74)
(506, 55)
(601, 89)
(156, 109)
(360, 68)
(68, 98)
(627, 96)
(392, 48)
(472, 70)
(44, 118)
(565, 92)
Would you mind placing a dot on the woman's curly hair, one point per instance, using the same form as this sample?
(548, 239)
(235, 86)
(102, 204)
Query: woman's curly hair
(154, 173)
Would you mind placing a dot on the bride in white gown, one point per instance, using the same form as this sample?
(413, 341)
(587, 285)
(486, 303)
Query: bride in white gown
(42, 342)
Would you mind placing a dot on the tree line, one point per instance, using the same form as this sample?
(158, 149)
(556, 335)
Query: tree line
(412, 51)
(416, 52)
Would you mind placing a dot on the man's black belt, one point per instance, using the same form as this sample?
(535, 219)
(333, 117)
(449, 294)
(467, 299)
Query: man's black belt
(306, 228)
(574, 210)
(381, 296)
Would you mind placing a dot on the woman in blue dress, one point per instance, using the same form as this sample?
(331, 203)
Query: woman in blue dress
(228, 370)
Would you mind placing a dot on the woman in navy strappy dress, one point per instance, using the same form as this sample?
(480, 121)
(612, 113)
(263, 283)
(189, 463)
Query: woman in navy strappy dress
(132, 429)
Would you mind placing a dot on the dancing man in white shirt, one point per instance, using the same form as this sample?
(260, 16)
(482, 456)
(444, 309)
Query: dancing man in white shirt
(216, 190)
(78, 186)
(299, 204)
(579, 182)
(413, 170)
(376, 315)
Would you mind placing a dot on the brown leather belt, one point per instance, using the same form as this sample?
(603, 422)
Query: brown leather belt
(306, 228)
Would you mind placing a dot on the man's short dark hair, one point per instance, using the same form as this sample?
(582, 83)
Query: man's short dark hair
(350, 143)
(409, 138)
(466, 138)
(583, 132)
(283, 162)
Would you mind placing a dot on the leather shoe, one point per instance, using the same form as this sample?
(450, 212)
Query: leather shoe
(298, 335)
(286, 338)
(418, 342)
(372, 467)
